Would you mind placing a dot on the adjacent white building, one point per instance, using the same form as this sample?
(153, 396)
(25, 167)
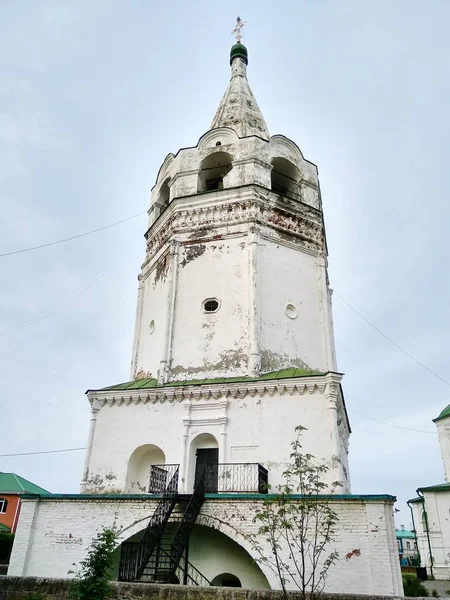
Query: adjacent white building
(431, 511)
(233, 348)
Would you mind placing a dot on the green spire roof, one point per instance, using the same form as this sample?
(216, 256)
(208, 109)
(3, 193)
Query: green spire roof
(239, 51)
(445, 413)
(10, 483)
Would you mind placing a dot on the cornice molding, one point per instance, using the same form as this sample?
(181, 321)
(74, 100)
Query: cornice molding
(304, 223)
(218, 394)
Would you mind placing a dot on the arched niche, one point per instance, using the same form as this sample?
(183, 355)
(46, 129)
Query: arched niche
(138, 472)
(226, 580)
(284, 177)
(204, 456)
(213, 171)
(220, 557)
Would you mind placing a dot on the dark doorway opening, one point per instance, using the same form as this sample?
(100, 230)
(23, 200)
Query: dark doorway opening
(207, 461)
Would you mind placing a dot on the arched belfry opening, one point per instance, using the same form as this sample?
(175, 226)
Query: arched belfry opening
(164, 196)
(284, 177)
(213, 170)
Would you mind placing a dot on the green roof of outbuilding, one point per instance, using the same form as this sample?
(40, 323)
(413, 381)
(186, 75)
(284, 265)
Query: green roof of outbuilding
(4, 527)
(444, 413)
(440, 487)
(15, 484)
(403, 533)
(153, 383)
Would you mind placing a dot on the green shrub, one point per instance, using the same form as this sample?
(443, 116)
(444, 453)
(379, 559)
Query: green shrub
(6, 543)
(91, 581)
(412, 586)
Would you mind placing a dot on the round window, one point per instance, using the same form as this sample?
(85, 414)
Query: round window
(290, 311)
(210, 305)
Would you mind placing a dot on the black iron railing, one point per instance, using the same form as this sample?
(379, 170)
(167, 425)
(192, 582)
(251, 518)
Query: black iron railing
(135, 555)
(181, 537)
(219, 478)
(162, 569)
(241, 478)
(163, 478)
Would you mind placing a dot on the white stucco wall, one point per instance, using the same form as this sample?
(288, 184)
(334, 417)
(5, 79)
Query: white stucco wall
(437, 507)
(252, 423)
(54, 533)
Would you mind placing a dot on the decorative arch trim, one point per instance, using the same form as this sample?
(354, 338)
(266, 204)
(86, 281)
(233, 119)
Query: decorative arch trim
(225, 135)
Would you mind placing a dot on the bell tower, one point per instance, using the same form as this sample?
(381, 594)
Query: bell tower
(234, 282)
(233, 343)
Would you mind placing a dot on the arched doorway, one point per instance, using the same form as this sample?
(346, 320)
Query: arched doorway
(138, 472)
(204, 459)
(226, 580)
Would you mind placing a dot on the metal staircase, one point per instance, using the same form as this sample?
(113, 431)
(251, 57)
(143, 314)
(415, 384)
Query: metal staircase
(135, 555)
(161, 555)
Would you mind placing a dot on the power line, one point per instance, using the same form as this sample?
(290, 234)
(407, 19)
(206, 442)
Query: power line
(68, 298)
(392, 342)
(73, 237)
(391, 424)
(42, 452)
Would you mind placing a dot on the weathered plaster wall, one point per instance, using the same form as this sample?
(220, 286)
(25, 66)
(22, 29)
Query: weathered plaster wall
(251, 422)
(294, 327)
(54, 533)
(210, 344)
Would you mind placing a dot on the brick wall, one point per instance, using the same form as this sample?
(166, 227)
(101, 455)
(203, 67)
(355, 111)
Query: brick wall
(54, 533)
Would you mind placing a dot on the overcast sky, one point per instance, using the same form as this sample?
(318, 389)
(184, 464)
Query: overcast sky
(94, 94)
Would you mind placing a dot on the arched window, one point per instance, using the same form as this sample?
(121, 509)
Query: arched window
(213, 169)
(164, 196)
(3, 505)
(284, 177)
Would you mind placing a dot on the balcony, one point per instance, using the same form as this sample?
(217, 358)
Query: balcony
(220, 478)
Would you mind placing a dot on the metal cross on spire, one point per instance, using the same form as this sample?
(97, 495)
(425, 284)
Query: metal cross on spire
(237, 29)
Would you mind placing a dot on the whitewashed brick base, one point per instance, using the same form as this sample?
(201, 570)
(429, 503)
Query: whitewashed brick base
(53, 533)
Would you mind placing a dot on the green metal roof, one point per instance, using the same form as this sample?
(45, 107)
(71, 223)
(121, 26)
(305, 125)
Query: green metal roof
(444, 413)
(403, 533)
(10, 483)
(441, 487)
(4, 527)
(138, 384)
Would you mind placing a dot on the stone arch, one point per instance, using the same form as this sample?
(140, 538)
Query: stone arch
(138, 471)
(213, 172)
(224, 135)
(133, 532)
(165, 167)
(240, 539)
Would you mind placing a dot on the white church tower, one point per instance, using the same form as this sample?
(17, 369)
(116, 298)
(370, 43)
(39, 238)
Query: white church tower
(234, 341)
(233, 349)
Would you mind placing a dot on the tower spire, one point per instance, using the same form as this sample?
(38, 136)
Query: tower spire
(238, 108)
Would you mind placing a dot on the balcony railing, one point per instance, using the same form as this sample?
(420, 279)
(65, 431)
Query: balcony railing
(220, 478)
(241, 478)
(163, 478)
